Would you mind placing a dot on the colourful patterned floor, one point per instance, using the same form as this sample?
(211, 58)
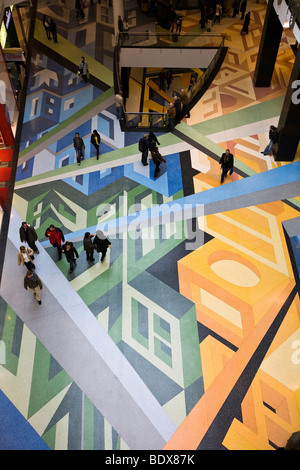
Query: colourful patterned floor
(187, 335)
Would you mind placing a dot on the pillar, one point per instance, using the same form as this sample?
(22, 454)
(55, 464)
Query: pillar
(268, 49)
(289, 120)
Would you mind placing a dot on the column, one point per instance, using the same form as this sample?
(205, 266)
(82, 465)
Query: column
(289, 121)
(268, 48)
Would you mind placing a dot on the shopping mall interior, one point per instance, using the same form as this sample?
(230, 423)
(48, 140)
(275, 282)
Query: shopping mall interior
(209, 357)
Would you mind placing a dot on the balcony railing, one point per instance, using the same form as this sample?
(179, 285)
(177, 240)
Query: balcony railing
(159, 121)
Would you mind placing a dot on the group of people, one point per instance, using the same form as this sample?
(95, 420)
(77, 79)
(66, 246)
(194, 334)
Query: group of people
(50, 28)
(79, 146)
(91, 242)
(123, 27)
(149, 143)
(178, 110)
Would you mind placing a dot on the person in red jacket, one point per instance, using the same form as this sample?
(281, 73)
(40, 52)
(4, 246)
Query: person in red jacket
(55, 236)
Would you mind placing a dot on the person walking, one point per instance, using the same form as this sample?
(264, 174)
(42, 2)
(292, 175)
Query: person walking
(243, 9)
(52, 27)
(185, 111)
(245, 28)
(79, 147)
(171, 116)
(29, 235)
(152, 140)
(101, 243)
(172, 19)
(161, 78)
(70, 252)
(95, 140)
(169, 77)
(179, 20)
(88, 246)
(46, 26)
(125, 28)
(177, 106)
(210, 17)
(144, 147)
(34, 284)
(273, 136)
(83, 69)
(55, 236)
(157, 160)
(120, 24)
(218, 13)
(25, 257)
(226, 164)
(119, 104)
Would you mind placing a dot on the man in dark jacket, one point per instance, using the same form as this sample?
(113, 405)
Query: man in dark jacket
(29, 235)
(101, 243)
(157, 160)
(55, 236)
(70, 251)
(34, 284)
(79, 147)
(226, 163)
(144, 147)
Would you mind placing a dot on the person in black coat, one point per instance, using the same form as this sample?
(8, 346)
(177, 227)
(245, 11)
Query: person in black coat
(52, 26)
(70, 251)
(157, 160)
(101, 243)
(29, 235)
(245, 28)
(152, 140)
(226, 163)
(88, 246)
(177, 106)
(46, 26)
(95, 140)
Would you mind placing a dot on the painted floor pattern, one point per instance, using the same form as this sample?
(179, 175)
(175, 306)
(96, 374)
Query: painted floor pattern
(187, 335)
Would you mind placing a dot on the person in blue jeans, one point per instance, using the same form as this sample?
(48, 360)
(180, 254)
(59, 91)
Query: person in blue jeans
(273, 136)
(226, 163)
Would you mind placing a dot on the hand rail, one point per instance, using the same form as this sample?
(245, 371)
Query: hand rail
(153, 119)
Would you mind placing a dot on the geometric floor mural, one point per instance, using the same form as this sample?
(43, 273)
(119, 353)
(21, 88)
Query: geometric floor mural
(187, 335)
